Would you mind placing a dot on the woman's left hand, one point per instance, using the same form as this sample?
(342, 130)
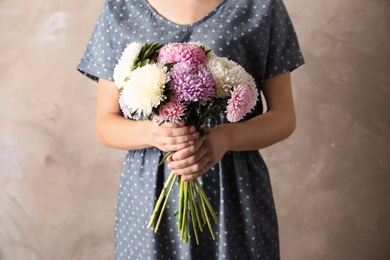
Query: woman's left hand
(196, 160)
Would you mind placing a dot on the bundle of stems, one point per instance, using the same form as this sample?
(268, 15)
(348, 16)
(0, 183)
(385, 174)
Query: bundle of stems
(193, 203)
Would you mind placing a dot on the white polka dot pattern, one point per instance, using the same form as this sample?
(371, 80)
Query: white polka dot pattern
(257, 34)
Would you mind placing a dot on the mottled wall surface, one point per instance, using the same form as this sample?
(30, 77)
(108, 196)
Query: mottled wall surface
(331, 178)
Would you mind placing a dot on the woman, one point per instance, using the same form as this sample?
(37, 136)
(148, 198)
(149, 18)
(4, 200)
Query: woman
(258, 35)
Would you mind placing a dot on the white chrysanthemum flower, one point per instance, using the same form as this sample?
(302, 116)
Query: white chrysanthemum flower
(124, 67)
(227, 74)
(145, 89)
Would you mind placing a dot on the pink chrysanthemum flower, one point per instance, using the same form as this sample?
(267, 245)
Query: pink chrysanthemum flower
(171, 111)
(181, 52)
(243, 100)
(192, 82)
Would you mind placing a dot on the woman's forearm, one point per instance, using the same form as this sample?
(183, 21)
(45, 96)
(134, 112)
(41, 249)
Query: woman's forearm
(116, 131)
(259, 132)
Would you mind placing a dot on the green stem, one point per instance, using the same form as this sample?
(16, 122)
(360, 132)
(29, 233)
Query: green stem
(180, 209)
(185, 206)
(193, 214)
(161, 197)
(206, 200)
(165, 157)
(199, 198)
(193, 198)
(208, 221)
(165, 204)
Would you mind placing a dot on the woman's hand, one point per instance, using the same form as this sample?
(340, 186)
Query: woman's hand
(195, 160)
(168, 137)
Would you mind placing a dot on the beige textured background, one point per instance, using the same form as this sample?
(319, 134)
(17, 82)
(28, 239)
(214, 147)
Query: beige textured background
(331, 178)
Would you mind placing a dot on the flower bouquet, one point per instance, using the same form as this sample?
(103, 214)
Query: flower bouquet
(182, 82)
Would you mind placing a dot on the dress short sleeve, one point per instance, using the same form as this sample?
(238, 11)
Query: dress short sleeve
(284, 53)
(99, 60)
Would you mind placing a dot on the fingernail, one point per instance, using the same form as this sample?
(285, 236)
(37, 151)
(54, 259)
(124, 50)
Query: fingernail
(191, 142)
(196, 135)
(192, 129)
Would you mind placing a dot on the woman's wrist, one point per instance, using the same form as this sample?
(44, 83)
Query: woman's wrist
(223, 133)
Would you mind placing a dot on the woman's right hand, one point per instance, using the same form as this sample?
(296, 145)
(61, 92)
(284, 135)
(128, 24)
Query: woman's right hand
(168, 137)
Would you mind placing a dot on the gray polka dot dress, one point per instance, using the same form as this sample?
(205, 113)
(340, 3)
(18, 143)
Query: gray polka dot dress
(257, 34)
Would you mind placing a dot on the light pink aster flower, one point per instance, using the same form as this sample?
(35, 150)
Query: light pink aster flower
(243, 100)
(181, 52)
(171, 111)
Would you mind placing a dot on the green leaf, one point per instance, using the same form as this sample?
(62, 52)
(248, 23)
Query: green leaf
(148, 53)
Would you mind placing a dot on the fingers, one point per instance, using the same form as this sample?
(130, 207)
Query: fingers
(191, 162)
(168, 129)
(169, 137)
(168, 144)
(180, 155)
(194, 171)
(195, 160)
(173, 140)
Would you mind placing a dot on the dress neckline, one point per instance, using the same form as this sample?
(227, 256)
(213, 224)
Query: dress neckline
(205, 18)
